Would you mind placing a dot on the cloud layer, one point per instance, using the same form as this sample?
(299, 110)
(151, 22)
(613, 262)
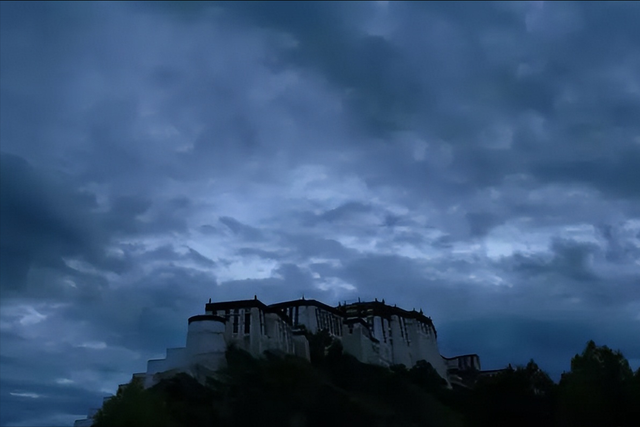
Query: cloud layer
(478, 161)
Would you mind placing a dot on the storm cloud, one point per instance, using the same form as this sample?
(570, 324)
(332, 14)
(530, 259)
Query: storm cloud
(479, 161)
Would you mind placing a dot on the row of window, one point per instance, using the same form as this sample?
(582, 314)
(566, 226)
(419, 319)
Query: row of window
(241, 322)
(241, 319)
(294, 314)
(424, 328)
(284, 335)
(385, 327)
(329, 322)
(403, 328)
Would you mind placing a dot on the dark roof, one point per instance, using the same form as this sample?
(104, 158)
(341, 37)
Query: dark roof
(213, 306)
(357, 309)
(247, 303)
(381, 309)
(305, 302)
(201, 317)
(462, 355)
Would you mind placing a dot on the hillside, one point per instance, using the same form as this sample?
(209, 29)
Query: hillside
(335, 389)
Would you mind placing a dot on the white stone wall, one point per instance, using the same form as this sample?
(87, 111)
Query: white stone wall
(206, 344)
(329, 321)
(205, 337)
(401, 351)
(307, 317)
(357, 342)
(278, 335)
(257, 329)
(397, 341)
(316, 319)
(301, 346)
(176, 357)
(154, 366)
(386, 341)
(240, 328)
(465, 362)
(383, 349)
(425, 347)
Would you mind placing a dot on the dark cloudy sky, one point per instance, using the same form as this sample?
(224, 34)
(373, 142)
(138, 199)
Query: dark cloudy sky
(479, 161)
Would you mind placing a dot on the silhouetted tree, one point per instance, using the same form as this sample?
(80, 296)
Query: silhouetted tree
(633, 393)
(133, 406)
(515, 397)
(318, 344)
(280, 389)
(598, 391)
(425, 376)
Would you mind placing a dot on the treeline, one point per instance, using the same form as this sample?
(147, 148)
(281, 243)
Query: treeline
(599, 390)
(337, 390)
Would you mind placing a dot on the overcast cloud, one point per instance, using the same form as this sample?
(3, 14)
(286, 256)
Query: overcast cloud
(480, 161)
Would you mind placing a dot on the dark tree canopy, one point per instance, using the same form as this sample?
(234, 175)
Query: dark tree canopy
(599, 390)
(336, 389)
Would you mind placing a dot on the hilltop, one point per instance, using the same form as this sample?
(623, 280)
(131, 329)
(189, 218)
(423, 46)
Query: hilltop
(335, 389)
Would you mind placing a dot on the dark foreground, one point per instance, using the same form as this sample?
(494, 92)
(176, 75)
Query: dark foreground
(337, 390)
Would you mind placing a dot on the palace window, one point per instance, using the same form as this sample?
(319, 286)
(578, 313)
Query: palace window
(262, 327)
(247, 322)
(321, 320)
(384, 334)
(236, 316)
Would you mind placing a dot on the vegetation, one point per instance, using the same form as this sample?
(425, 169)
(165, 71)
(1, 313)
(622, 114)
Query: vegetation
(335, 389)
(599, 390)
(515, 397)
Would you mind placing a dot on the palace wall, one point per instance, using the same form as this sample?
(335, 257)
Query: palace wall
(372, 332)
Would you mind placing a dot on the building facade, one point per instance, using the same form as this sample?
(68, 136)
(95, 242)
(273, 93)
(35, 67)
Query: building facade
(373, 332)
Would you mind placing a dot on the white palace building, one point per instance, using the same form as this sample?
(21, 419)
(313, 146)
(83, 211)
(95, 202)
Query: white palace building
(373, 332)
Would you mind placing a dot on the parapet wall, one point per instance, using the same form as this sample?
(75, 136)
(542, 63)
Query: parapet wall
(373, 332)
